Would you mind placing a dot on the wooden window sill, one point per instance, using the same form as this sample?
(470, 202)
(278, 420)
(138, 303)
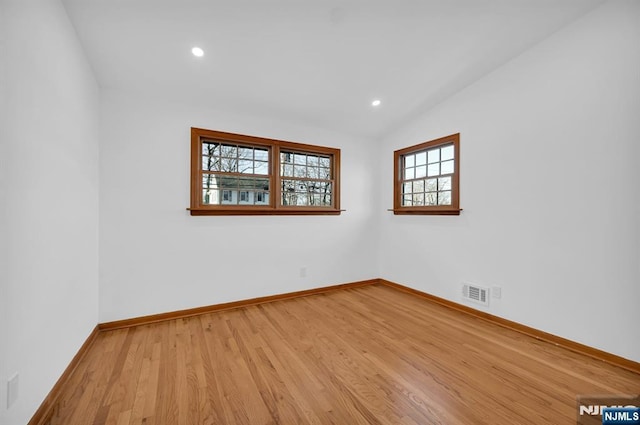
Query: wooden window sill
(416, 211)
(264, 211)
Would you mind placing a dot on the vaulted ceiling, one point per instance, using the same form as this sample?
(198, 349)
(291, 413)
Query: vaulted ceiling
(318, 62)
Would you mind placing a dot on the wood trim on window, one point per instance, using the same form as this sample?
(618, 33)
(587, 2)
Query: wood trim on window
(275, 205)
(398, 179)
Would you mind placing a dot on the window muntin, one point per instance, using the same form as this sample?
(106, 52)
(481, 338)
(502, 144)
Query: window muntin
(427, 177)
(237, 174)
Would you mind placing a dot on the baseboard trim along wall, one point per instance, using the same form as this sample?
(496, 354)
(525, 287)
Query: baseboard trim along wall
(532, 332)
(154, 318)
(50, 404)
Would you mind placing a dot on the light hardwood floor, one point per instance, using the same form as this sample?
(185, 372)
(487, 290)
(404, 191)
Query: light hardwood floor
(370, 355)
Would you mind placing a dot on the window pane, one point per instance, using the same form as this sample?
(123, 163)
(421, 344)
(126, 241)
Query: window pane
(319, 186)
(407, 200)
(300, 171)
(409, 160)
(261, 154)
(210, 163)
(444, 183)
(300, 159)
(431, 199)
(421, 171)
(211, 148)
(444, 198)
(207, 148)
(253, 184)
(325, 162)
(447, 167)
(418, 199)
(244, 197)
(218, 181)
(261, 167)
(228, 197)
(325, 187)
(245, 153)
(263, 184)
(446, 153)
(406, 187)
(287, 170)
(312, 160)
(314, 173)
(306, 186)
(245, 184)
(324, 173)
(261, 198)
(209, 181)
(409, 173)
(434, 156)
(421, 158)
(229, 151)
(325, 200)
(286, 157)
(288, 185)
(418, 186)
(228, 165)
(302, 199)
(432, 185)
(211, 197)
(434, 169)
(245, 166)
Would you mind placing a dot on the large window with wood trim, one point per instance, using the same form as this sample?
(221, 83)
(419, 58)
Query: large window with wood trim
(427, 178)
(234, 174)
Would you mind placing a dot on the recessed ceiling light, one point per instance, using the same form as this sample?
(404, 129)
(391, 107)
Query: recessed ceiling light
(197, 52)
(376, 102)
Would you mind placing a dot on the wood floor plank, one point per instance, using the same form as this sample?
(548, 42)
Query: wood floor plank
(367, 355)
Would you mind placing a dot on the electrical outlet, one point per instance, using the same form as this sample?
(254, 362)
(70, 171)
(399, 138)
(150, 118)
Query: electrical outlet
(303, 271)
(12, 389)
(496, 292)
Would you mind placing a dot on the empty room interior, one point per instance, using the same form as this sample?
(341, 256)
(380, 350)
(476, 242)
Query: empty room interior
(288, 212)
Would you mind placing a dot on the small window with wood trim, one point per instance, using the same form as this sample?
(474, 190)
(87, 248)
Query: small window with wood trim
(234, 174)
(427, 178)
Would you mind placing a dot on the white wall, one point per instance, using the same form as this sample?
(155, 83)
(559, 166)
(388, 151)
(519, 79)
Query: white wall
(155, 257)
(4, 248)
(50, 161)
(549, 187)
